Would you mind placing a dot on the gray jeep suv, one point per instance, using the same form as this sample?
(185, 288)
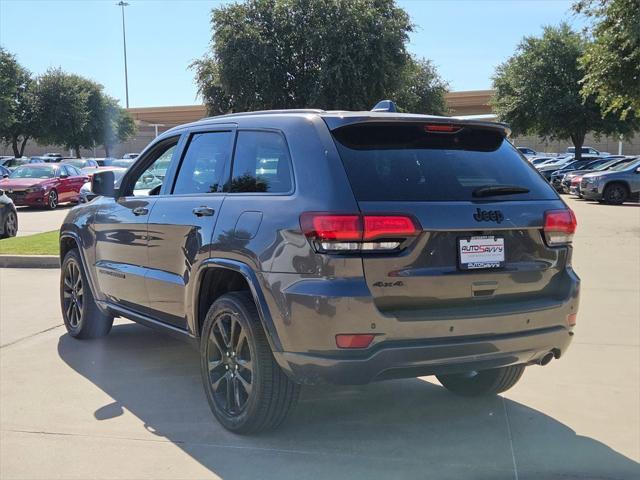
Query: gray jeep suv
(305, 246)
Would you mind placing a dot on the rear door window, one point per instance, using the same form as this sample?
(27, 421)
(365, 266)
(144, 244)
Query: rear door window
(202, 167)
(407, 163)
(261, 163)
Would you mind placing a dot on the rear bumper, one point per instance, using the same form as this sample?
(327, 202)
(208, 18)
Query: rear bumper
(429, 357)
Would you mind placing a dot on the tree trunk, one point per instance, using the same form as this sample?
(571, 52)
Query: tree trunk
(14, 145)
(24, 144)
(578, 142)
(107, 151)
(77, 149)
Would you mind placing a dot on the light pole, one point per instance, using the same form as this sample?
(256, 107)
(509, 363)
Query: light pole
(156, 125)
(123, 4)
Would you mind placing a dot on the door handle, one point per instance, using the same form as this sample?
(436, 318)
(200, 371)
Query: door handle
(203, 211)
(140, 211)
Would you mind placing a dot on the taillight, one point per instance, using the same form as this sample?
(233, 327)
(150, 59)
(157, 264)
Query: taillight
(332, 227)
(353, 233)
(559, 226)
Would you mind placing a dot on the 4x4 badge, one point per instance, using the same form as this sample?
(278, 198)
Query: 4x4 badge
(488, 216)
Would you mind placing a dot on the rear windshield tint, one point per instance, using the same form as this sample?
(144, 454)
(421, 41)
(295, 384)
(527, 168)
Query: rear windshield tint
(405, 163)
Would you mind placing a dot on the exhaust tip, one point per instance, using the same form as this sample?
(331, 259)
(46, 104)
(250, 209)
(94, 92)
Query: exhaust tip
(546, 359)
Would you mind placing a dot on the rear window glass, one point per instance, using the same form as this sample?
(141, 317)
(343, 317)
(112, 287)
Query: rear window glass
(406, 163)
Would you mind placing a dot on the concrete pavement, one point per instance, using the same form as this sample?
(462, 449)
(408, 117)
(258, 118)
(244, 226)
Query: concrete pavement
(32, 220)
(131, 405)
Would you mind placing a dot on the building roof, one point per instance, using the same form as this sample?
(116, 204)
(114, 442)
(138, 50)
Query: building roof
(474, 102)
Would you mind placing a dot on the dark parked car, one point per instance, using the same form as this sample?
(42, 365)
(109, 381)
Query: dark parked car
(527, 152)
(13, 162)
(558, 177)
(615, 186)
(8, 216)
(303, 246)
(44, 184)
(548, 170)
(596, 165)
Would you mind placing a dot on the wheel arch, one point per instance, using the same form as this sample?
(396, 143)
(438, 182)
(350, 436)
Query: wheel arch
(70, 240)
(237, 270)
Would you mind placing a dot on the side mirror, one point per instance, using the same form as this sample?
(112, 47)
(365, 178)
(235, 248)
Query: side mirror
(103, 183)
(638, 170)
(64, 175)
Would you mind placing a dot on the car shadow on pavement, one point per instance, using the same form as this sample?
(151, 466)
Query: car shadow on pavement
(394, 429)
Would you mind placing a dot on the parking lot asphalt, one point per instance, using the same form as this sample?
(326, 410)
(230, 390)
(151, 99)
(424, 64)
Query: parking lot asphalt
(131, 405)
(34, 220)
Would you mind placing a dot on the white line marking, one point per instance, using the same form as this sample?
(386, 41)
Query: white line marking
(513, 455)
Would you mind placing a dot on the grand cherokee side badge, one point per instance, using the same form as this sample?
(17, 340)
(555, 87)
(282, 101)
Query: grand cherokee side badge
(488, 216)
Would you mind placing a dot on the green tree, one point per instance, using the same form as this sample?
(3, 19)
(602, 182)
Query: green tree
(612, 60)
(17, 103)
(421, 89)
(332, 54)
(71, 110)
(118, 125)
(538, 91)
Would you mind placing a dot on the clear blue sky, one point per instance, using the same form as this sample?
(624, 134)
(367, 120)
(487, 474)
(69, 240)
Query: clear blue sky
(465, 38)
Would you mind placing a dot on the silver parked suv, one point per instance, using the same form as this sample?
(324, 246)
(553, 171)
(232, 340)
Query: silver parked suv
(305, 246)
(617, 185)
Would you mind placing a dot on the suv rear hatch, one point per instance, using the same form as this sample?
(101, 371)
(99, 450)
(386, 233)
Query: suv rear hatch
(480, 246)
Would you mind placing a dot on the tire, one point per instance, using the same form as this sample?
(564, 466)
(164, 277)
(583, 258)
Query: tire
(10, 227)
(615, 194)
(247, 391)
(484, 382)
(82, 317)
(52, 200)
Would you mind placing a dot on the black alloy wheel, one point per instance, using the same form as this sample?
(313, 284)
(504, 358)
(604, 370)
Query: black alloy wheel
(246, 389)
(615, 194)
(73, 295)
(82, 316)
(230, 364)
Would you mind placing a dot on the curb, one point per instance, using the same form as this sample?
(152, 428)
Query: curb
(29, 261)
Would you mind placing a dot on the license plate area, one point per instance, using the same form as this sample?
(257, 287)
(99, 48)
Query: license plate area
(481, 252)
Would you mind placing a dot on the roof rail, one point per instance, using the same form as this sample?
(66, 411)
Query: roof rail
(267, 112)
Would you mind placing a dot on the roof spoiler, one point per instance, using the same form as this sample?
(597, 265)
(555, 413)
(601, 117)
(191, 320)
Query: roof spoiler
(385, 106)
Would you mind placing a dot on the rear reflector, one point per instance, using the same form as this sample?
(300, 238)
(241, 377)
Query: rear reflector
(354, 340)
(572, 319)
(559, 226)
(355, 232)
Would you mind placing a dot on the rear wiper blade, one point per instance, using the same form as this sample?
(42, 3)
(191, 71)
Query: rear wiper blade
(489, 190)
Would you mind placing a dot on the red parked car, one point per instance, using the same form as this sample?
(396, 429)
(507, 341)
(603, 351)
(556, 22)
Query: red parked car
(44, 184)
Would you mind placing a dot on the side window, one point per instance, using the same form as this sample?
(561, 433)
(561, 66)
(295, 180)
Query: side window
(62, 171)
(203, 164)
(150, 181)
(261, 163)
